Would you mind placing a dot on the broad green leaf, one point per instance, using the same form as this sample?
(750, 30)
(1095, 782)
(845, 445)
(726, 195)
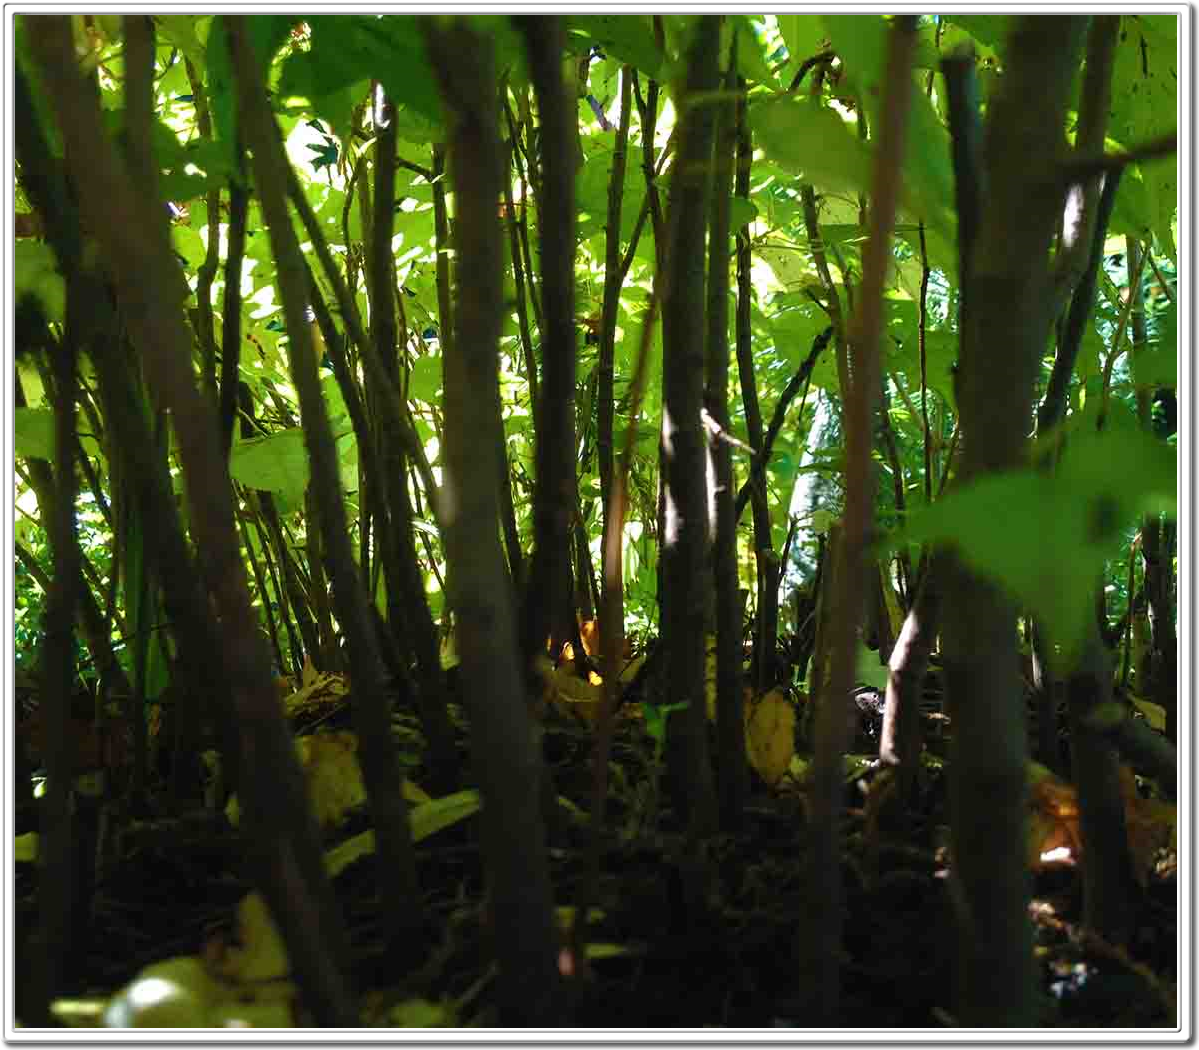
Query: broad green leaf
(928, 189)
(333, 98)
(751, 63)
(591, 192)
(424, 380)
(1132, 214)
(868, 670)
(991, 30)
(811, 141)
(37, 274)
(1156, 363)
(347, 49)
(1045, 538)
(804, 36)
(741, 212)
(629, 38)
(33, 433)
(267, 34)
(188, 33)
(188, 244)
(1144, 106)
(278, 463)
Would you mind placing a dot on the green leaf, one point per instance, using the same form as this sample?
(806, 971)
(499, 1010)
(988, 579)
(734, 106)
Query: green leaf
(629, 38)
(992, 30)
(424, 380)
(751, 63)
(268, 33)
(928, 188)
(306, 76)
(278, 463)
(869, 671)
(347, 49)
(591, 192)
(811, 141)
(741, 213)
(1156, 363)
(187, 33)
(33, 432)
(804, 36)
(187, 243)
(1043, 538)
(37, 274)
(1144, 106)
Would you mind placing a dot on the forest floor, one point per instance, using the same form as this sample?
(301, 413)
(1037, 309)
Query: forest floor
(658, 956)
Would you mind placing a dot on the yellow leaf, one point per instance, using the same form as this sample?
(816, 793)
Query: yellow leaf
(334, 779)
(25, 847)
(415, 793)
(420, 1013)
(261, 955)
(172, 993)
(431, 817)
(424, 820)
(574, 696)
(770, 736)
(276, 1014)
(318, 691)
(308, 673)
(345, 853)
(1154, 714)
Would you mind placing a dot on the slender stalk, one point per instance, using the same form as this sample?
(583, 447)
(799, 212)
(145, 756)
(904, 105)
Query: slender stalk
(371, 709)
(507, 763)
(820, 950)
(135, 239)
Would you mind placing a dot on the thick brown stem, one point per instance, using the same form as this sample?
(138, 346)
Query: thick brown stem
(134, 236)
(685, 539)
(507, 762)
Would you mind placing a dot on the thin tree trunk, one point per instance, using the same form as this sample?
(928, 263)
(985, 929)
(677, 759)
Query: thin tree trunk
(732, 771)
(507, 763)
(377, 754)
(1006, 319)
(1108, 883)
(548, 601)
(755, 487)
(132, 231)
(605, 392)
(820, 949)
(56, 940)
(1155, 551)
(408, 610)
(685, 539)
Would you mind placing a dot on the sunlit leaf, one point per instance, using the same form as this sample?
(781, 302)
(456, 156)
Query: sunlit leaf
(629, 38)
(1045, 538)
(277, 463)
(812, 142)
(33, 433)
(1144, 107)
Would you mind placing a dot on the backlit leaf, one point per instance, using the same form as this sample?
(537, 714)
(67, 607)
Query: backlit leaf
(278, 463)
